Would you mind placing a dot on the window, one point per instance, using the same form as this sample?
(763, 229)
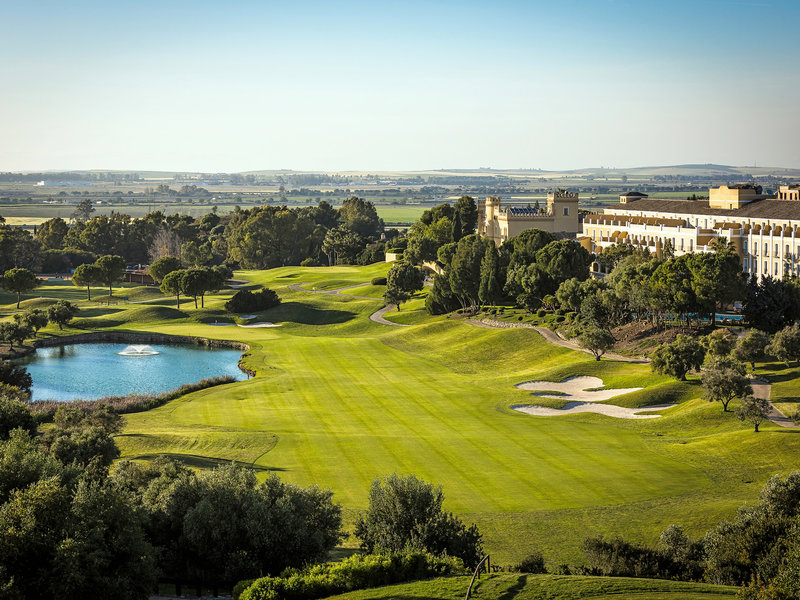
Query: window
(745, 264)
(682, 241)
(777, 252)
(766, 268)
(690, 245)
(745, 247)
(788, 251)
(776, 268)
(566, 211)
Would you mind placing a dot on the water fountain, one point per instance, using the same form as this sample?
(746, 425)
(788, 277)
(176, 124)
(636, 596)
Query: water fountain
(137, 350)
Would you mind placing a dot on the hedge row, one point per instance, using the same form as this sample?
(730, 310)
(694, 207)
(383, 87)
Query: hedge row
(357, 572)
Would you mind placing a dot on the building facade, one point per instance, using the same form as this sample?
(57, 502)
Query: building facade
(498, 224)
(764, 229)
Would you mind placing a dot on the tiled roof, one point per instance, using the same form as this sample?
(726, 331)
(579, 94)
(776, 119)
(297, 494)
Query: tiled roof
(758, 209)
(515, 210)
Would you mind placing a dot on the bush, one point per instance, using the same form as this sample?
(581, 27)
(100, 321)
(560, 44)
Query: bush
(356, 572)
(560, 311)
(378, 281)
(519, 318)
(247, 301)
(309, 262)
(541, 313)
(560, 319)
(533, 563)
(406, 512)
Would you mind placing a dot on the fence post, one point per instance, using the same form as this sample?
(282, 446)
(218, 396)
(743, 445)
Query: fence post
(484, 561)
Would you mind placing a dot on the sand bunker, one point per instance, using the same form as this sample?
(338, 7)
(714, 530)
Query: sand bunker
(610, 410)
(581, 395)
(262, 325)
(574, 388)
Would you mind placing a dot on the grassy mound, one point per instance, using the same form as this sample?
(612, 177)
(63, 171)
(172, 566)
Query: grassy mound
(42, 303)
(521, 586)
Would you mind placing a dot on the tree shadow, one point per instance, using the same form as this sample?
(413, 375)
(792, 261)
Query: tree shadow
(297, 312)
(515, 589)
(197, 461)
(99, 312)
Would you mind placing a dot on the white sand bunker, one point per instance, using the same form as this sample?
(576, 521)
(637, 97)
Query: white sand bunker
(265, 324)
(574, 388)
(579, 391)
(610, 410)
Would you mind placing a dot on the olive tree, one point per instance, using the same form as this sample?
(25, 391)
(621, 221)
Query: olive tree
(723, 380)
(61, 312)
(402, 281)
(678, 358)
(751, 348)
(753, 410)
(596, 341)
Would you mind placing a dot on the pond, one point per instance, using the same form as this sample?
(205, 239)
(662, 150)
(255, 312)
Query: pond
(91, 371)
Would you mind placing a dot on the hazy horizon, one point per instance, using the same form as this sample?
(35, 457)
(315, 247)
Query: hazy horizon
(413, 86)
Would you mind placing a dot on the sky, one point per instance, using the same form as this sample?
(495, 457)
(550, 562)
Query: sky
(417, 85)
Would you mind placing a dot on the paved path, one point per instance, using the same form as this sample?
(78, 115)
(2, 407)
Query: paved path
(762, 389)
(553, 338)
(377, 316)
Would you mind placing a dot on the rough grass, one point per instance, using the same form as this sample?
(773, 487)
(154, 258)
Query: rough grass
(521, 586)
(340, 400)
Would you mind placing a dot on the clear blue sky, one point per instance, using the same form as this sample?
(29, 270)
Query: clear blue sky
(233, 86)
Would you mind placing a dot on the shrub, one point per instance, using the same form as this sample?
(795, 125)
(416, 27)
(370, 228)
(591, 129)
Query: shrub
(519, 318)
(533, 563)
(406, 512)
(44, 410)
(247, 301)
(356, 572)
(560, 319)
(309, 262)
(560, 311)
(541, 313)
(378, 281)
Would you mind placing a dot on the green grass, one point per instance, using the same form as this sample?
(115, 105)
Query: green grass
(521, 586)
(340, 400)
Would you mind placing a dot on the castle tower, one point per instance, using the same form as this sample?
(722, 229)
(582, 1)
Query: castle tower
(563, 207)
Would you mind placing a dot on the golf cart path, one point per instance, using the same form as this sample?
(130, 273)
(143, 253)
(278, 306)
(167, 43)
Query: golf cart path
(553, 338)
(376, 317)
(761, 389)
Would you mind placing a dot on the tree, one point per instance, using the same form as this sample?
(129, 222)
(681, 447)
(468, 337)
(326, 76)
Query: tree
(491, 290)
(361, 217)
(753, 410)
(406, 512)
(14, 414)
(569, 294)
(15, 375)
(87, 275)
(466, 212)
(751, 348)
(596, 341)
(19, 281)
(83, 211)
(785, 345)
(173, 284)
(14, 332)
(111, 268)
(163, 266)
(194, 283)
(719, 342)
(33, 318)
(771, 304)
(61, 312)
(723, 380)
(195, 254)
(717, 278)
(678, 358)
(341, 245)
(51, 233)
(402, 281)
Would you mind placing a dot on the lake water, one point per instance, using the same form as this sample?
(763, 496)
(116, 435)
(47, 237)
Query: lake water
(91, 371)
